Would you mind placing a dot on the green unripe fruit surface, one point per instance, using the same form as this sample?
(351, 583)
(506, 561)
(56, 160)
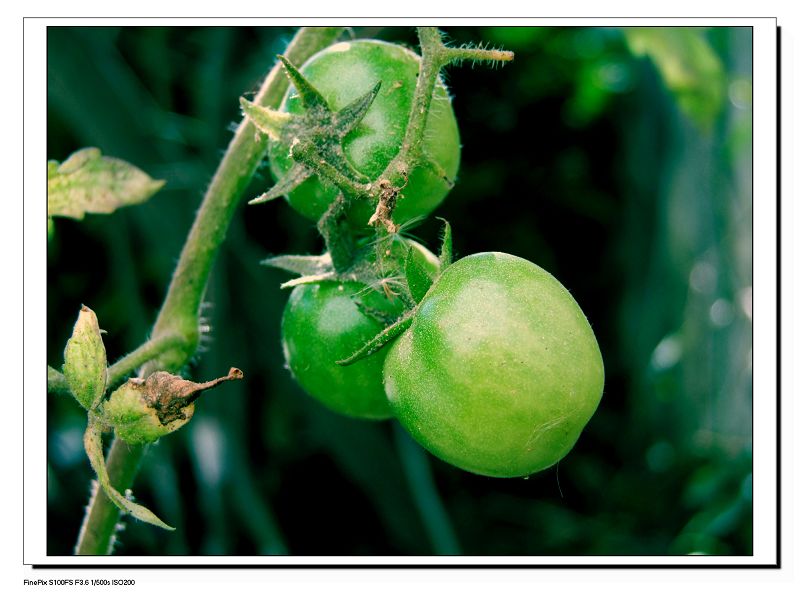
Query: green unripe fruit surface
(499, 372)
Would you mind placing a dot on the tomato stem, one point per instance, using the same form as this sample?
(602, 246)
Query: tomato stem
(179, 318)
(435, 56)
(336, 231)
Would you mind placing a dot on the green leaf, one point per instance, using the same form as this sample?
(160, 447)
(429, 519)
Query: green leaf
(93, 444)
(90, 182)
(85, 366)
(419, 281)
(689, 66)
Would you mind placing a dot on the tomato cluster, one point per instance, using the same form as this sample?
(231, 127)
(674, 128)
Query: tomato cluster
(496, 369)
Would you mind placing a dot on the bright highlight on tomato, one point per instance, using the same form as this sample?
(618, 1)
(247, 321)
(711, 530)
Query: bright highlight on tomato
(500, 370)
(346, 71)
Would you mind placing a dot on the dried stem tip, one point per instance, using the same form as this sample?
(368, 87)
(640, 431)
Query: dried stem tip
(143, 410)
(170, 394)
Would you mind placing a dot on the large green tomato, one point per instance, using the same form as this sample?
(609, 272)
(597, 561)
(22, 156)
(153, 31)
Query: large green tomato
(499, 372)
(346, 71)
(322, 324)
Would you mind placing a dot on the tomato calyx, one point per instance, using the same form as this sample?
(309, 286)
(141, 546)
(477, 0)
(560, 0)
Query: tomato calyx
(314, 139)
(320, 130)
(418, 282)
(380, 263)
(394, 266)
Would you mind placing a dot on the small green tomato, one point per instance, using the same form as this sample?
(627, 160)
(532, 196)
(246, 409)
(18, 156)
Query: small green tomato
(342, 73)
(499, 372)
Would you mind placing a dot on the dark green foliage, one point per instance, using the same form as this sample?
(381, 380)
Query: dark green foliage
(576, 156)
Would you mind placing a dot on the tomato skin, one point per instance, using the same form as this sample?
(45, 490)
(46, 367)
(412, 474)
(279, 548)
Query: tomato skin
(500, 370)
(346, 71)
(322, 324)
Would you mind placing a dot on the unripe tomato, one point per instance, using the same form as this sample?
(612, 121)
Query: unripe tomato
(322, 324)
(499, 372)
(346, 71)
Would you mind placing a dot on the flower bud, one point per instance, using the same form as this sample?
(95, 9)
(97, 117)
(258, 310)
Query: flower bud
(85, 365)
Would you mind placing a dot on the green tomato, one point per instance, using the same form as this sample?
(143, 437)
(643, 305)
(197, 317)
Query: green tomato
(499, 372)
(322, 324)
(346, 71)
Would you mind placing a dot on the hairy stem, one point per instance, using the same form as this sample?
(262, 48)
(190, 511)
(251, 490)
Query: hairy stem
(336, 232)
(435, 56)
(179, 315)
(180, 311)
(57, 383)
(151, 349)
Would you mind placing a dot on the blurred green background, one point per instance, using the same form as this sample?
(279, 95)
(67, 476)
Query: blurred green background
(618, 160)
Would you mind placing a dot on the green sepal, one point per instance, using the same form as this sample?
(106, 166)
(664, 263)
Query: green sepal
(446, 251)
(346, 119)
(90, 182)
(305, 279)
(310, 268)
(382, 317)
(267, 120)
(301, 264)
(296, 175)
(379, 341)
(419, 281)
(309, 95)
(93, 444)
(319, 133)
(85, 367)
(426, 162)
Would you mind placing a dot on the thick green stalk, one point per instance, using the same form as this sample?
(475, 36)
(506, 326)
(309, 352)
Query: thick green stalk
(150, 350)
(179, 315)
(181, 310)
